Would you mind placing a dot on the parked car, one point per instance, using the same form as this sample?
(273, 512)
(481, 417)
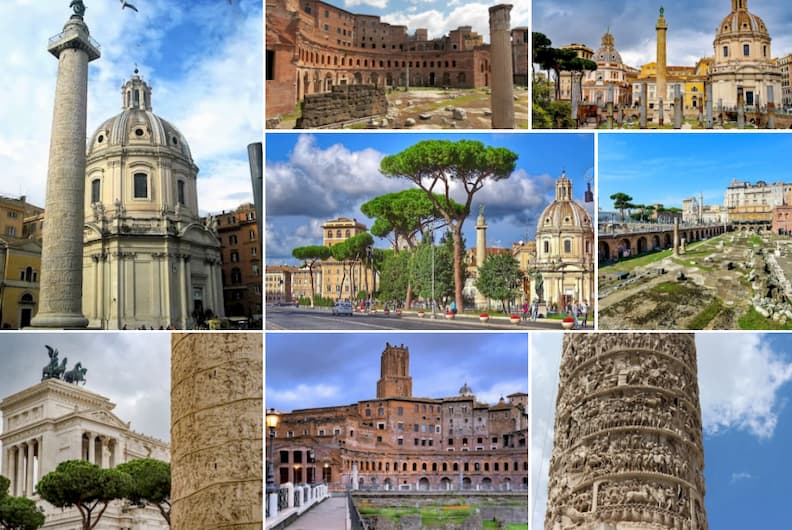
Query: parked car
(342, 308)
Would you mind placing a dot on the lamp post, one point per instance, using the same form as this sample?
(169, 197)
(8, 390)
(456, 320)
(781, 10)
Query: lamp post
(272, 420)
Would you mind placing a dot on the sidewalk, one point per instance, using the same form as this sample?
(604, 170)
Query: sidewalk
(330, 514)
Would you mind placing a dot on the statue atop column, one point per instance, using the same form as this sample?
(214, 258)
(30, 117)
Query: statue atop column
(79, 8)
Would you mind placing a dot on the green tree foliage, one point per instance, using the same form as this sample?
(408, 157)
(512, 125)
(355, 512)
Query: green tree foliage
(85, 486)
(151, 483)
(395, 276)
(421, 272)
(499, 278)
(310, 255)
(349, 252)
(18, 513)
(439, 165)
(621, 201)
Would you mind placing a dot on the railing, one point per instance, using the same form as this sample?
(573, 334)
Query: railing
(356, 522)
(293, 500)
(62, 35)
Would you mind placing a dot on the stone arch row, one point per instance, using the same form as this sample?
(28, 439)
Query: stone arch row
(635, 245)
(441, 483)
(311, 58)
(490, 465)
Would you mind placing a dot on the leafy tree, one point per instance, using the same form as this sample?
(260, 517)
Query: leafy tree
(621, 201)
(395, 275)
(311, 254)
(400, 216)
(540, 43)
(20, 513)
(442, 164)
(499, 278)
(421, 270)
(350, 252)
(151, 483)
(86, 486)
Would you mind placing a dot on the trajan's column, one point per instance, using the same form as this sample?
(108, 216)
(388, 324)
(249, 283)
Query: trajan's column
(217, 419)
(628, 449)
(60, 299)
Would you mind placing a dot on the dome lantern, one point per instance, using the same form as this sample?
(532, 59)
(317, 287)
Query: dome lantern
(136, 94)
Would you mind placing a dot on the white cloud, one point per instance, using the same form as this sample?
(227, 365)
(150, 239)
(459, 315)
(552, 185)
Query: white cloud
(373, 3)
(740, 376)
(296, 396)
(739, 477)
(214, 97)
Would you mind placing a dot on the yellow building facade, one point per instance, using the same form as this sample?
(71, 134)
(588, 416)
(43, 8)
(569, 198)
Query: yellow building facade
(20, 267)
(344, 280)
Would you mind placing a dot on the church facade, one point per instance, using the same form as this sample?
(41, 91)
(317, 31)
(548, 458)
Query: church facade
(148, 258)
(397, 441)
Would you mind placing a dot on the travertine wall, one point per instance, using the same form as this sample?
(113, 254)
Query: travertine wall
(344, 103)
(628, 443)
(216, 431)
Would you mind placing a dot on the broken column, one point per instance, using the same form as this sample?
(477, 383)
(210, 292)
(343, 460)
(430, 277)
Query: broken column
(720, 112)
(677, 107)
(609, 106)
(676, 236)
(502, 98)
(644, 92)
(575, 98)
(660, 118)
(771, 121)
(682, 246)
(740, 108)
(708, 104)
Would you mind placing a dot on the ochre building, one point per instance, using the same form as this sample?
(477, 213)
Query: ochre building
(397, 441)
(313, 46)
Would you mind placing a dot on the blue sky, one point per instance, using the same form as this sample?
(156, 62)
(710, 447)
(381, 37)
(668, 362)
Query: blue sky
(667, 168)
(203, 59)
(305, 370)
(311, 178)
(744, 381)
(437, 16)
(691, 26)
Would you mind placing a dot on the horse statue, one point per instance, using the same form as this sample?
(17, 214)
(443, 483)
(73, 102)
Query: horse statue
(76, 375)
(49, 371)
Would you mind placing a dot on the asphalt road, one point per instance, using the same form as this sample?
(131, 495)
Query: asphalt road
(292, 318)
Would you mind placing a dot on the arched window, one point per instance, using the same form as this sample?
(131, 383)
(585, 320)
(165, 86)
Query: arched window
(96, 188)
(567, 246)
(746, 50)
(725, 51)
(547, 246)
(180, 192)
(141, 186)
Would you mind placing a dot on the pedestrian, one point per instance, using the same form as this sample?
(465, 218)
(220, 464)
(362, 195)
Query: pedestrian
(584, 312)
(574, 312)
(453, 307)
(536, 310)
(525, 311)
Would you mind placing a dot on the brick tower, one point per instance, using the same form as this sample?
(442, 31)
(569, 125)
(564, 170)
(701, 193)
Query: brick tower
(395, 380)
(628, 452)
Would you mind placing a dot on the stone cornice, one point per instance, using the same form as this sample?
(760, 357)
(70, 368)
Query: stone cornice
(61, 389)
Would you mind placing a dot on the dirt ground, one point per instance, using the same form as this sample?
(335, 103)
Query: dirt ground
(715, 294)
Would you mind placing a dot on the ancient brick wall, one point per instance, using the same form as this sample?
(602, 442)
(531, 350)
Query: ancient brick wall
(216, 431)
(344, 103)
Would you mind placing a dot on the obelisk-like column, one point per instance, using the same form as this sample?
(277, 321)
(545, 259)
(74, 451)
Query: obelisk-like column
(501, 61)
(660, 92)
(628, 449)
(60, 298)
(481, 253)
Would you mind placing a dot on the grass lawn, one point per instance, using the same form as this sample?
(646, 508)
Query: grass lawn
(753, 320)
(430, 516)
(705, 317)
(492, 525)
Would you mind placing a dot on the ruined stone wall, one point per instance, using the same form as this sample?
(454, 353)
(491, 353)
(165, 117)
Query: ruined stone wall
(628, 437)
(216, 431)
(343, 103)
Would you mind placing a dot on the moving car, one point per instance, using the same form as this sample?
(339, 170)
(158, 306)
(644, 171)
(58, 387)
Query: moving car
(342, 308)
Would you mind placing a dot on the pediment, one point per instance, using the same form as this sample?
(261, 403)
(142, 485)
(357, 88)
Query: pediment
(104, 417)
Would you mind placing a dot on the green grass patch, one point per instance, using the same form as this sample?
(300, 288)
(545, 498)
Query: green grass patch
(627, 264)
(754, 320)
(690, 264)
(756, 240)
(670, 288)
(705, 317)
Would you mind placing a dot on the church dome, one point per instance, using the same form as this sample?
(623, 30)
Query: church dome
(607, 52)
(465, 390)
(564, 213)
(741, 21)
(138, 126)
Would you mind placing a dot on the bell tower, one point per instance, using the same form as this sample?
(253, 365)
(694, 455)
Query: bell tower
(395, 380)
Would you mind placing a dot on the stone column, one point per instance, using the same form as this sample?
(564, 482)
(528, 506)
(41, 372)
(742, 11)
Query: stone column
(182, 293)
(660, 117)
(19, 472)
(740, 108)
(481, 252)
(720, 112)
(708, 104)
(609, 106)
(676, 236)
(644, 104)
(660, 85)
(60, 296)
(29, 474)
(662, 495)
(6, 471)
(677, 107)
(501, 60)
(216, 431)
(771, 118)
(91, 448)
(575, 97)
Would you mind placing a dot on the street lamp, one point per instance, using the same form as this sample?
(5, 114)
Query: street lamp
(272, 423)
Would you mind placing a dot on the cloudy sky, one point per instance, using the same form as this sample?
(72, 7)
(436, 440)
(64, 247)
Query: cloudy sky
(437, 16)
(312, 178)
(667, 168)
(305, 370)
(202, 58)
(691, 26)
(131, 369)
(744, 382)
